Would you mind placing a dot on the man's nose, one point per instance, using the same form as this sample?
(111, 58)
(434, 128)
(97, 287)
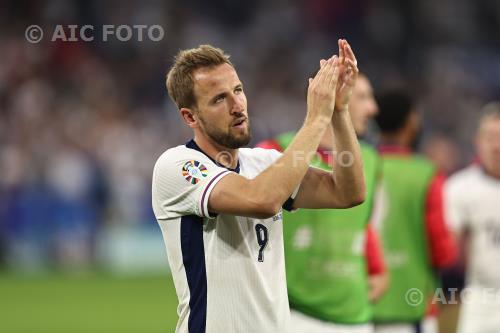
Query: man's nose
(238, 105)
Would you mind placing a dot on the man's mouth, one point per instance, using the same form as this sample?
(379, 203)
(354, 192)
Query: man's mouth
(240, 122)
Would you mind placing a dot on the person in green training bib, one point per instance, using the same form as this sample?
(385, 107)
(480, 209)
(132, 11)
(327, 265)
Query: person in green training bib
(333, 260)
(410, 222)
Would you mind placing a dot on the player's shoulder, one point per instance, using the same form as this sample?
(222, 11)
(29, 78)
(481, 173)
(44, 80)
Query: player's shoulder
(171, 155)
(258, 158)
(258, 153)
(465, 177)
(422, 161)
(180, 155)
(173, 152)
(422, 165)
(465, 183)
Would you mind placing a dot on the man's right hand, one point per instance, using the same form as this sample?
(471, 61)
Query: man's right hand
(321, 91)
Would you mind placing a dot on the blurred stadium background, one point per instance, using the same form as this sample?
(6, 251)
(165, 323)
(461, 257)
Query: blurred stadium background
(81, 124)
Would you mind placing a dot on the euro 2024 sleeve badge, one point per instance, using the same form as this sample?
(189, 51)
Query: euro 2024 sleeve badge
(193, 171)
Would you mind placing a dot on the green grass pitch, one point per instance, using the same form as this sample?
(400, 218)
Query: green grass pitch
(89, 303)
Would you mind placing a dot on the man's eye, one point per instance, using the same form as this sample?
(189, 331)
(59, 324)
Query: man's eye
(219, 99)
(238, 90)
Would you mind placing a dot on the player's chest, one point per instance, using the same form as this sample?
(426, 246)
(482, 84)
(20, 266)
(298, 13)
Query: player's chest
(483, 204)
(484, 214)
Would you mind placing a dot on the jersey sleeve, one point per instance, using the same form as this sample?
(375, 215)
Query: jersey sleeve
(373, 252)
(442, 247)
(182, 185)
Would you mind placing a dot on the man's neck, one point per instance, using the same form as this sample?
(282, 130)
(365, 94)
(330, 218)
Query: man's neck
(224, 156)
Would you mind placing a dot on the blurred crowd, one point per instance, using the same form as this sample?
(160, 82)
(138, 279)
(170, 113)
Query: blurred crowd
(82, 123)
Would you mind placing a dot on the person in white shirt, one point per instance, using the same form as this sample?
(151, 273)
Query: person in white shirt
(473, 206)
(219, 205)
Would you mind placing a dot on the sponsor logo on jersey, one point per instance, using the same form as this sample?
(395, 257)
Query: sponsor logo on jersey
(193, 171)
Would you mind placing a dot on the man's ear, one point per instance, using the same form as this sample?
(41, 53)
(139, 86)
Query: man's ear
(189, 117)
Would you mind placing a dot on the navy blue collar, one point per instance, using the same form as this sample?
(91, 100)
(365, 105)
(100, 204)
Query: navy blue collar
(193, 145)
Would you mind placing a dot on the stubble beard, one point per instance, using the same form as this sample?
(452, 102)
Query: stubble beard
(227, 139)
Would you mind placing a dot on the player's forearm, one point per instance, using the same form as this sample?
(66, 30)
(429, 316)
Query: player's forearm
(348, 174)
(280, 179)
(274, 185)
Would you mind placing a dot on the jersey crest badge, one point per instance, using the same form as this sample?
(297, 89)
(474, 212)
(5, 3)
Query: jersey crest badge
(193, 171)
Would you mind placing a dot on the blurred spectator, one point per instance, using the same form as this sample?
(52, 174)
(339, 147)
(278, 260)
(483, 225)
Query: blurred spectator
(443, 152)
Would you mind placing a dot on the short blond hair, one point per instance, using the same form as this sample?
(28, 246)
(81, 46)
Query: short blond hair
(180, 80)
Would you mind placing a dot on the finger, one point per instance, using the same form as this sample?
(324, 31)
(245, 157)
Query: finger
(334, 73)
(352, 65)
(324, 67)
(341, 51)
(350, 53)
(346, 49)
(351, 74)
(318, 76)
(325, 72)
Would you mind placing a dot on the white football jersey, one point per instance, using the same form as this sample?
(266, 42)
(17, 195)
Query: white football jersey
(473, 201)
(228, 271)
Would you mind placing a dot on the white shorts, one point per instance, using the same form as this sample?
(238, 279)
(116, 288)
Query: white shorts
(302, 323)
(428, 325)
(479, 313)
